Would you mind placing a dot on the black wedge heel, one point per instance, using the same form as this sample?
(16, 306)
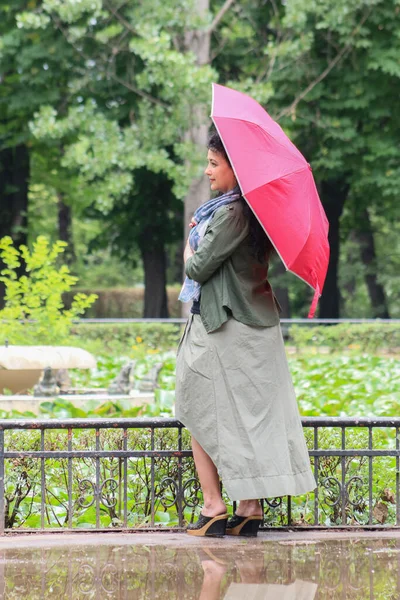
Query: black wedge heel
(209, 526)
(245, 526)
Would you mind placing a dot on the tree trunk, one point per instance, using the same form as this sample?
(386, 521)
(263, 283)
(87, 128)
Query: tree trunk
(65, 229)
(197, 42)
(350, 284)
(14, 181)
(199, 190)
(155, 295)
(376, 291)
(333, 194)
(177, 264)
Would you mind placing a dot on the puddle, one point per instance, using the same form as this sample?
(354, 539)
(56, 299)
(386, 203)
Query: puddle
(328, 570)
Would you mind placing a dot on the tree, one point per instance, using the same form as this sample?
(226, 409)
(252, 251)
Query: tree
(145, 220)
(119, 90)
(345, 115)
(123, 88)
(31, 69)
(328, 72)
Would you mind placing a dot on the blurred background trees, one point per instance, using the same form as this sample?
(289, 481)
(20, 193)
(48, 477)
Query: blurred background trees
(103, 121)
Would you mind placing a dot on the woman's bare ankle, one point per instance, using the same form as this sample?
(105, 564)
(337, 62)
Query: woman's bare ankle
(213, 507)
(249, 508)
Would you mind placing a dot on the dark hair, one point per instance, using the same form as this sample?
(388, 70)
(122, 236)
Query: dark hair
(215, 144)
(260, 242)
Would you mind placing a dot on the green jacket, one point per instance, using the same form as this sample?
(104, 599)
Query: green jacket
(232, 281)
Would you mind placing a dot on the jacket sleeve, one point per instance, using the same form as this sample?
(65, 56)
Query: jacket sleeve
(227, 229)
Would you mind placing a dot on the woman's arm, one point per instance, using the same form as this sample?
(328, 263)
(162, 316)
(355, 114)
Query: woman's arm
(228, 228)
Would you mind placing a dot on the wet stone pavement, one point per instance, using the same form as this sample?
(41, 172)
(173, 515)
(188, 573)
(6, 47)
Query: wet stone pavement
(276, 566)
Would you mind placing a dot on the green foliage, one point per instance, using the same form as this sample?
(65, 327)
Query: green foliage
(123, 302)
(36, 296)
(360, 337)
(326, 72)
(334, 385)
(112, 91)
(139, 121)
(347, 385)
(145, 357)
(23, 496)
(121, 337)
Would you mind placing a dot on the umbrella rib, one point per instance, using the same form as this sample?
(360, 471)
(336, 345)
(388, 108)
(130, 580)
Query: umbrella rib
(306, 166)
(297, 155)
(277, 178)
(267, 234)
(262, 129)
(244, 196)
(276, 249)
(266, 184)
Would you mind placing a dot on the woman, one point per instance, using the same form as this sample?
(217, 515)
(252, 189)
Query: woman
(233, 387)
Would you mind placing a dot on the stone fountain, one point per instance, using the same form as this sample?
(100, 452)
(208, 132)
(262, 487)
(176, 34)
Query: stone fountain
(45, 370)
(22, 366)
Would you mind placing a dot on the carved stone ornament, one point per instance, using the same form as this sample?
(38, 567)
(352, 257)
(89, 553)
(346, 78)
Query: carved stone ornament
(47, 386)
(150, 381)
(122, 383)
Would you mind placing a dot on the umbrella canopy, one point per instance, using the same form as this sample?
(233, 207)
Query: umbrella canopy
(277, 183)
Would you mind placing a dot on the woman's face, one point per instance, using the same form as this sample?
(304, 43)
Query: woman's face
(220, 173)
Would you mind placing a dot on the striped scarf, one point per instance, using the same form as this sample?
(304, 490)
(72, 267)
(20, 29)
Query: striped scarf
(191, 289)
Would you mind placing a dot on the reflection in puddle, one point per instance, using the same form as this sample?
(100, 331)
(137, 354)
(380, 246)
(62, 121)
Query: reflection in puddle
(299, 590)
(250, 579)
(331, 570)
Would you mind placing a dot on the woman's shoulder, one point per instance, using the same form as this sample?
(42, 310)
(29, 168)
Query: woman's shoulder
(228, 211)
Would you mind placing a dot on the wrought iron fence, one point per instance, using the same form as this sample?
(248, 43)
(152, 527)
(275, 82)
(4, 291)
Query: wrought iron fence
(139, 473)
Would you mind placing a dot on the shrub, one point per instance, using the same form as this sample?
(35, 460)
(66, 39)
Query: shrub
(120, 337)
(36, 295)
(366, 337)
(124, 303)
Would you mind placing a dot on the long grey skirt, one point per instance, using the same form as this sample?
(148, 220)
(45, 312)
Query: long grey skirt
(234, 393)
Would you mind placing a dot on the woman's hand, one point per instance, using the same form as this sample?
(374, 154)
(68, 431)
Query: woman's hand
(188, 251)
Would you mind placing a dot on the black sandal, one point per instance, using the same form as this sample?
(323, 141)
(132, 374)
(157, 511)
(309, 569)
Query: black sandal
(245, 526)
(209, 526)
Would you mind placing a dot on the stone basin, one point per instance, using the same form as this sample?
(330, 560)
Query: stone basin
(21, 366)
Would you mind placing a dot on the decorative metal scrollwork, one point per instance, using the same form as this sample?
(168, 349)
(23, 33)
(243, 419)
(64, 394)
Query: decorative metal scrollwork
(84, 486)
(168, 484)
(87, 579)
(191, 499)
(112, 485)
(344, 493)
(329, 483)
(109, 578)
(274, 503)
(169, 492)
(332, 574)
(358, 483)
(90, 580)
(87, 487)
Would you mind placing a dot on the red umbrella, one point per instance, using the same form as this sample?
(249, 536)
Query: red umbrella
(277, 183)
